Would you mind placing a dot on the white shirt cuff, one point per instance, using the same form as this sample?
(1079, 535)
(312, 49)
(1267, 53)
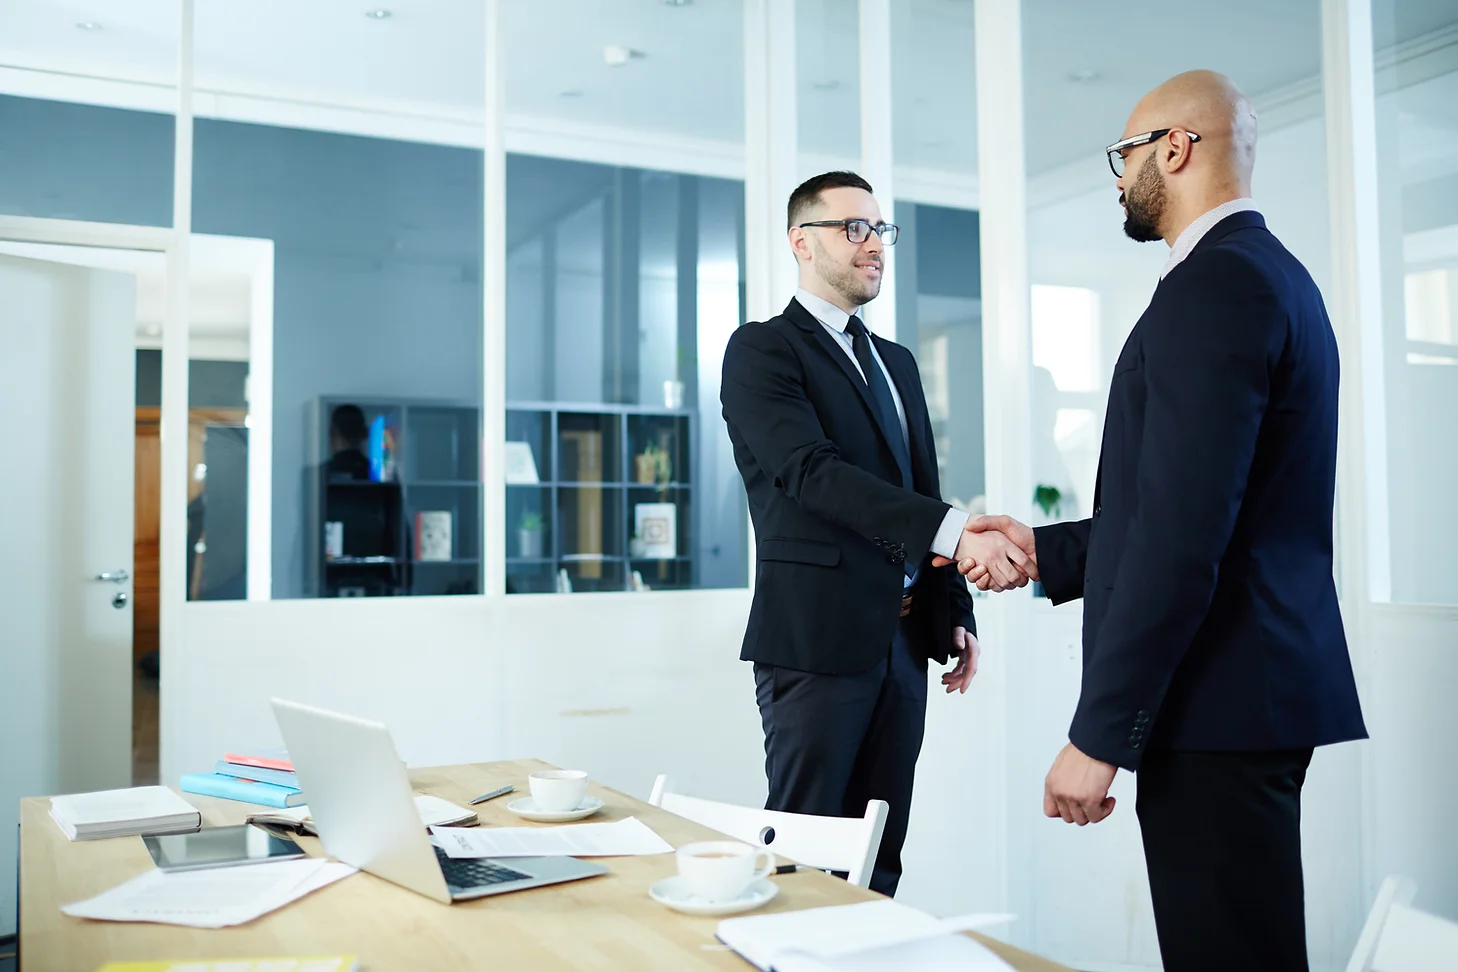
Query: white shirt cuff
(944, 544)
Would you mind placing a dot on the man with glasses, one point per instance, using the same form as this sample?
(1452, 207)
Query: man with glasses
(831, 434)
(1214, 655)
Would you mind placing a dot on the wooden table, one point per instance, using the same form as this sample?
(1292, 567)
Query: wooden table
(605, 922)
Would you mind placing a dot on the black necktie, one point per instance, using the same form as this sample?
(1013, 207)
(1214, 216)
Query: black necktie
(881, 396)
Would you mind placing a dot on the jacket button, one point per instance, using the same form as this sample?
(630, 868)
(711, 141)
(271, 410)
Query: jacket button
(1133, 744)
(1097, 509)
(1141, 719)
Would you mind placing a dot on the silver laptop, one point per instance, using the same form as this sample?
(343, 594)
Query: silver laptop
(364, 811)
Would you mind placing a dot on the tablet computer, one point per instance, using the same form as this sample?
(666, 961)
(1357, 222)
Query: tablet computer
(219, 847)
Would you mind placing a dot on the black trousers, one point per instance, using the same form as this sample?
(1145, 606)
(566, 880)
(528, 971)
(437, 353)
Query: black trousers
(1222, 840)
(833, 742)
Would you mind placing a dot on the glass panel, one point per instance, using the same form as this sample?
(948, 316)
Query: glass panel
(375, 221)
(828, 73)
(92, 161)
(624, 282)
(939, 316)
(1417, 159)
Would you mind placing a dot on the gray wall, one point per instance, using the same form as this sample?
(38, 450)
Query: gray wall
(210, 384)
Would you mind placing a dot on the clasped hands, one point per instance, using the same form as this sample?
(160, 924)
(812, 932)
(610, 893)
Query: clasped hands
(996, 553)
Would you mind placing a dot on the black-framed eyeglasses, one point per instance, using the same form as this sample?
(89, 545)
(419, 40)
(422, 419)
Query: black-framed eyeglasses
(1116, 151)
(859, 230)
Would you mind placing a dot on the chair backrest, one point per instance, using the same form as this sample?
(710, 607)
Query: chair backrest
(1400, 938)
(833, 843)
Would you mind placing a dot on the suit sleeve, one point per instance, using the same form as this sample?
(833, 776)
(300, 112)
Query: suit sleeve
(766, 404)
(1207, 366)
(1062, 551)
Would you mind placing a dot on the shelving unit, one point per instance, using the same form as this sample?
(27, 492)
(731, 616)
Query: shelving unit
(437, 468)
(587, 458)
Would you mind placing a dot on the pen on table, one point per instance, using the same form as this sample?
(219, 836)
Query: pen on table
(792, 868)
(493, 794)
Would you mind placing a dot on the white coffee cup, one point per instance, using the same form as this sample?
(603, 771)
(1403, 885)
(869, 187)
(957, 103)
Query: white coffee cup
(558, 790)
(721, 870)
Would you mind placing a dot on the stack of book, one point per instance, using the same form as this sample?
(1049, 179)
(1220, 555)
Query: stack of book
(268, 780)
(119, 813)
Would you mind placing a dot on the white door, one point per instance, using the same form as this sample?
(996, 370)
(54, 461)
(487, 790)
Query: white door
(67, 401)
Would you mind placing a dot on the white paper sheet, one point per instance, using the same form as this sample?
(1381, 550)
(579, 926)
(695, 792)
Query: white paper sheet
(923, 955)
(212, 898)
(842, 930)
(622, 838)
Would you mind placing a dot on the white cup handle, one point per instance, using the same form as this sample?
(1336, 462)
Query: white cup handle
(769, 867)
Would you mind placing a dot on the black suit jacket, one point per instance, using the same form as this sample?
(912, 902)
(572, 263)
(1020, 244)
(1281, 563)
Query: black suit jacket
(1210, 616)
(834, 526)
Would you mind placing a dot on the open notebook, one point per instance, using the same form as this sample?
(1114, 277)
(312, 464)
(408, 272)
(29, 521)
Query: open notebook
(434, 812)
(873, 935)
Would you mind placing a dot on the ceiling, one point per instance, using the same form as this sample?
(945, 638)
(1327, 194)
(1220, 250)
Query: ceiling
(1085, 64)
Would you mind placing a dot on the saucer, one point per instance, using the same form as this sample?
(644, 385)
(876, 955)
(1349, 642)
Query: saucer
(527, 808)
(673, 893)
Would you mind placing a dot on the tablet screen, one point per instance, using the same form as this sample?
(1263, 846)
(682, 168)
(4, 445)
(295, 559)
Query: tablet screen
(219, 847)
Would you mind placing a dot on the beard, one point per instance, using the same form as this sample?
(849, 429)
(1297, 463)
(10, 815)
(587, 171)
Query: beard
(844, 279)
(1144, 203)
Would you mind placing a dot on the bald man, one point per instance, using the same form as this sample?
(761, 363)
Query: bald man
(1214, 656)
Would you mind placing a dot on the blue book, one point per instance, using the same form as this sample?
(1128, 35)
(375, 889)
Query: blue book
(376, 449)
(258, 774)
(246, 791)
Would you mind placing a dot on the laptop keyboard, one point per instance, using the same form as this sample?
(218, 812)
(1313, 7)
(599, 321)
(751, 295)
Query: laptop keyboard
(467, 874)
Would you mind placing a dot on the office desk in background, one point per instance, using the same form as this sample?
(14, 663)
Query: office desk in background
(606, 922)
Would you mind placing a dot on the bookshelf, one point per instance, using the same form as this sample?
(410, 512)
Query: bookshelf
(436, 470)
(601, 473)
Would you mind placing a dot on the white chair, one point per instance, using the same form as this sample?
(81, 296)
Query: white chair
(832, 843)
(1400, 938)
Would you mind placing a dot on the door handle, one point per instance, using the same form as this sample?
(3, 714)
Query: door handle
(116, 576)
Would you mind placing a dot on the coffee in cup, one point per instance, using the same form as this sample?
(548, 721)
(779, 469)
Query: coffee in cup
(721, 870)
(558, 791)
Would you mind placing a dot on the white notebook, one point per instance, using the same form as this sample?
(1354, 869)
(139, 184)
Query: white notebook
(887, 934)
(120, 813)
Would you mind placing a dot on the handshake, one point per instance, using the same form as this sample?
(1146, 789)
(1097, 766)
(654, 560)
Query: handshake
(996, 553)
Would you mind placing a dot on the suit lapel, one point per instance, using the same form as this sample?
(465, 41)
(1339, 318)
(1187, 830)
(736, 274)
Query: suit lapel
(808, 323)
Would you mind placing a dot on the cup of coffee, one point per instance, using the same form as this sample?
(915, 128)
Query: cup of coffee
(558, 790)
(721, 870)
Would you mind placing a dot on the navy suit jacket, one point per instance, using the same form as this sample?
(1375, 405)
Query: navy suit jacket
(1210, 615)
(834, 525)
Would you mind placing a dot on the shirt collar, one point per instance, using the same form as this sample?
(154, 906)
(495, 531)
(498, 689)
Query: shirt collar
(823, 310)
(1196, 231)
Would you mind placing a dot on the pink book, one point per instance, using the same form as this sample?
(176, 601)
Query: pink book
(277, 761)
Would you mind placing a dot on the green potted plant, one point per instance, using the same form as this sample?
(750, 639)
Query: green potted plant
(1047, 498)
(529, 535)
(654, 465)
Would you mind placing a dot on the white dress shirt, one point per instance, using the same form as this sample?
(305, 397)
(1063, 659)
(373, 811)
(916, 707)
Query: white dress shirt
(1196, 231)
(835, 321)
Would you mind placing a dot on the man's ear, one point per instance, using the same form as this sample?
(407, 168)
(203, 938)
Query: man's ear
(799, 244)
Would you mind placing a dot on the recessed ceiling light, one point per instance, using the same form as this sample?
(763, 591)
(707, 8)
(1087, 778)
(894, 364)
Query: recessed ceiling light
(825, 85)
(570, 93)
(677, 3)
(88, 25)
(379, 13)
(1083, 75)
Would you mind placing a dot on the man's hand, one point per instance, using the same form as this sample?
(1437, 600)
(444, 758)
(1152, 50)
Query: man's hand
(965, 646)
(1077, 788)
(1018, 533)
(991, 559)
